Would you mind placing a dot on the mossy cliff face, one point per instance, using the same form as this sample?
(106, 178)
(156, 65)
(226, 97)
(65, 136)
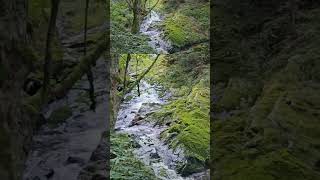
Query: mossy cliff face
(187, 23)
(266, 79)
(189, 116)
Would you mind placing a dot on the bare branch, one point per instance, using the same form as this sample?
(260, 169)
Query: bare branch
(139, 79)
(153, 7)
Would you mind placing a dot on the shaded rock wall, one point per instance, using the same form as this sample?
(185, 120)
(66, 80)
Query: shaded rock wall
(265, 78)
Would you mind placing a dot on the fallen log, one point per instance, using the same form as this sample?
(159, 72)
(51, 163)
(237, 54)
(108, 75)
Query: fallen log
(60, 90)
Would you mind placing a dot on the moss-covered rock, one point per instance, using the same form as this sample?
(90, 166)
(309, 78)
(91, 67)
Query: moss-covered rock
(124, 165)
(189, 24)
(188, 117)
(182, 30)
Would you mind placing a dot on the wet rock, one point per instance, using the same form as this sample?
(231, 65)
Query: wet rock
(154, 155)
(97, 167)
(135, 144)
(191, 166)
(74, 160)
(52, 132)
(50, 173)
(201, 176)
(136, 120)
(134, 123)
(79, 115)
(117, 129)
(36, 178)
(60, 115)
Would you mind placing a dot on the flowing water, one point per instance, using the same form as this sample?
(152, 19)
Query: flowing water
(151, 150)
(134, 119)
(150, 27)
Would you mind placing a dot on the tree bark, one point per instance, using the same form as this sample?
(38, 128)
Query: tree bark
(89, 73)
(15, 122)
(138, 85)
(136, 16)
(62, 88)
(47, 60)
(139, 11)
(126, 72)
(79, 70)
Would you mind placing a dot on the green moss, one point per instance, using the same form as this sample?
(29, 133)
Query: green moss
(181, 30)
(188, 24)
(198, 11)
(190, 130)
(38, 9)
(163, 173)
(60, 115)
(276, 165)
(239, 93)
(121, 14)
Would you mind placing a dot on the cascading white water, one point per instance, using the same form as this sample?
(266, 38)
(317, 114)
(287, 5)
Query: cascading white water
(149, 28)
(152, 151)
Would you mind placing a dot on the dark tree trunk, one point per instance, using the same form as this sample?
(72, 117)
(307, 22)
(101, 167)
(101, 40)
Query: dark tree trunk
(136, 9)
(126, 71)
(15, 121)
(138, 85)
(89, 73)
(78, 71)
(47, 60)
